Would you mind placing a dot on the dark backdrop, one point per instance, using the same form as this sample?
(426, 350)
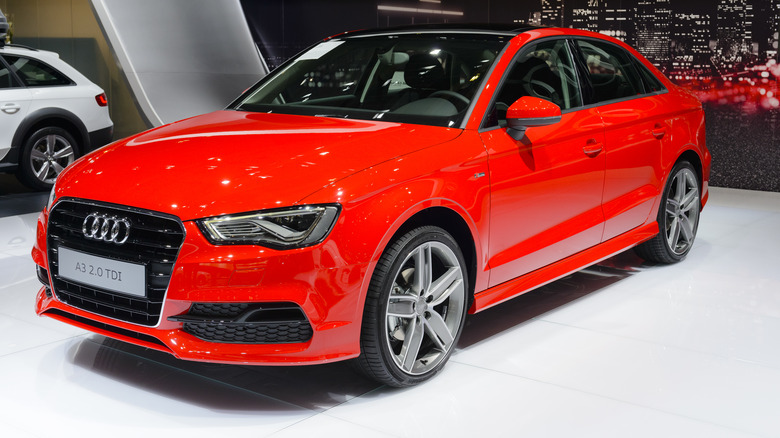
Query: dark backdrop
(726, 51)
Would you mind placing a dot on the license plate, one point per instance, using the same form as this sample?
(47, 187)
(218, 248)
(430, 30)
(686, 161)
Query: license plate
(113, 275)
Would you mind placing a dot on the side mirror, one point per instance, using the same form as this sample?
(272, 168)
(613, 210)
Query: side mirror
(530, 111)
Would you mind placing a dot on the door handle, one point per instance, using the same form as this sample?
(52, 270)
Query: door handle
(11, 108)
(659, 131)
(592, 147)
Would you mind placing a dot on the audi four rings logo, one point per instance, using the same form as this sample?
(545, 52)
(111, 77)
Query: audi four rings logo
(107, 228)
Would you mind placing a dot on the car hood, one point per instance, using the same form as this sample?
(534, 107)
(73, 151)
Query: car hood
(230, 161)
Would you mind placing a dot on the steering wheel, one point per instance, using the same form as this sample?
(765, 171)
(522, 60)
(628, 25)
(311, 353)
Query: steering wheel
(460, 101)
(540, 90)
(537, 88)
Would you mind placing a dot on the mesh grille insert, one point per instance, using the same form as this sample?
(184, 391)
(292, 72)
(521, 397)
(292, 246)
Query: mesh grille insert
(247, 323)
(251, 333)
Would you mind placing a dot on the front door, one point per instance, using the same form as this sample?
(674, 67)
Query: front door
(546, 189)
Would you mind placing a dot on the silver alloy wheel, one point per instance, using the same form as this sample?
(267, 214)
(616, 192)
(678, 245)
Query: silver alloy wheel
(425, 308)
(682, 211)
(49, 156)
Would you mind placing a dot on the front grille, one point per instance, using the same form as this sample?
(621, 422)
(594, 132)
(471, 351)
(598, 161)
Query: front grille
(247, 323)
(154, 241)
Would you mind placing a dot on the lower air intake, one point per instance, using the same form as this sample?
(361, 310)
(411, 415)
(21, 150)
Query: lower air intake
(247, 323)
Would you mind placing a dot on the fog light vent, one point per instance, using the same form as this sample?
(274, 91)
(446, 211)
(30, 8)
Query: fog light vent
(247, 323)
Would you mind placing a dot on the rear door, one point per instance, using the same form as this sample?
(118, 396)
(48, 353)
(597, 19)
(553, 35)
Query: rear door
(14, 105)
(546, 189)
(637, 117)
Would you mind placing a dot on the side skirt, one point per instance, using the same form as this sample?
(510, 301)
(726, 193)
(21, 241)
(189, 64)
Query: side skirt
(520, 285)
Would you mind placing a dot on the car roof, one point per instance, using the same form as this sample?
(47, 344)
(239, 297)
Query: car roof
(47, 56)
(20, 49)
(483, 28)
(25, 50)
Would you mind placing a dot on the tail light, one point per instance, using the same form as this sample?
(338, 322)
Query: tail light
(101, 99)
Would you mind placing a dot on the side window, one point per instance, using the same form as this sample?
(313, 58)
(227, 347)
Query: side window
(35, 73)
(652, 84)
(5, 76)
(544, 70)
(612, 71)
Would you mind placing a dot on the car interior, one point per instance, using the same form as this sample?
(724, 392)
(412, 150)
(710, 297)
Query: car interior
(544, 71)
(611, 77)
(405, 78)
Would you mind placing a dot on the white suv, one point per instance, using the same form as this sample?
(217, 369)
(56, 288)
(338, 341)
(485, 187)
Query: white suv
(50, 114)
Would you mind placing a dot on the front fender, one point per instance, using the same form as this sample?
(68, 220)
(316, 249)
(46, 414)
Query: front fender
(378, 201)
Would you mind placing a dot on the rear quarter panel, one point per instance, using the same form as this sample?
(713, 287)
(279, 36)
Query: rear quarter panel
(689, 134)
(77, 99)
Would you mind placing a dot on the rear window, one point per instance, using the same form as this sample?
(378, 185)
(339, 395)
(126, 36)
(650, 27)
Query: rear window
(652, 84)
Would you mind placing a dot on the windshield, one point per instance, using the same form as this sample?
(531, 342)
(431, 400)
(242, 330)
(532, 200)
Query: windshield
(416, 78)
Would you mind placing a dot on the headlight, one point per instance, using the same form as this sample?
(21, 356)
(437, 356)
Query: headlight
(288, 228)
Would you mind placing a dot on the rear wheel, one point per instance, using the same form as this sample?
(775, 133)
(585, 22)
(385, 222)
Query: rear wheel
(678, 217)
(45, 154)
(415, 308)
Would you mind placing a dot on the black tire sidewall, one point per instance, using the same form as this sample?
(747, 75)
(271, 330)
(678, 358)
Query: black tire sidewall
(671, 255)
(25, 172)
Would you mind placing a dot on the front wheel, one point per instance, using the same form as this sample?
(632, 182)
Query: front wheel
(678, 217)
(46, 153)
(415, 309)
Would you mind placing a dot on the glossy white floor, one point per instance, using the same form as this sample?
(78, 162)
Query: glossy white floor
(621, 350)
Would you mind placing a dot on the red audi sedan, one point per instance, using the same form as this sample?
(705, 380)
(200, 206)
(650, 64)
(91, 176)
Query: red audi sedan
(362, 199)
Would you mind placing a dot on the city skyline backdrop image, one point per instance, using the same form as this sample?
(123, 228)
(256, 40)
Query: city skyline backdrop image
(725, 51)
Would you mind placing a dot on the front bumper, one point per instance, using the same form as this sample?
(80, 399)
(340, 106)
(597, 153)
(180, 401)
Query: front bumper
(325, 287)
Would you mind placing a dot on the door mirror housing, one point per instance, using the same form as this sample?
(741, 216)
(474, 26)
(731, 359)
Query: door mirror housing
(530, 111)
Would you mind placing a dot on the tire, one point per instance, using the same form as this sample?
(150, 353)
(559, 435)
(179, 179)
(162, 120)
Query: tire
(44, 155)
(413, 317)
(678, 217)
